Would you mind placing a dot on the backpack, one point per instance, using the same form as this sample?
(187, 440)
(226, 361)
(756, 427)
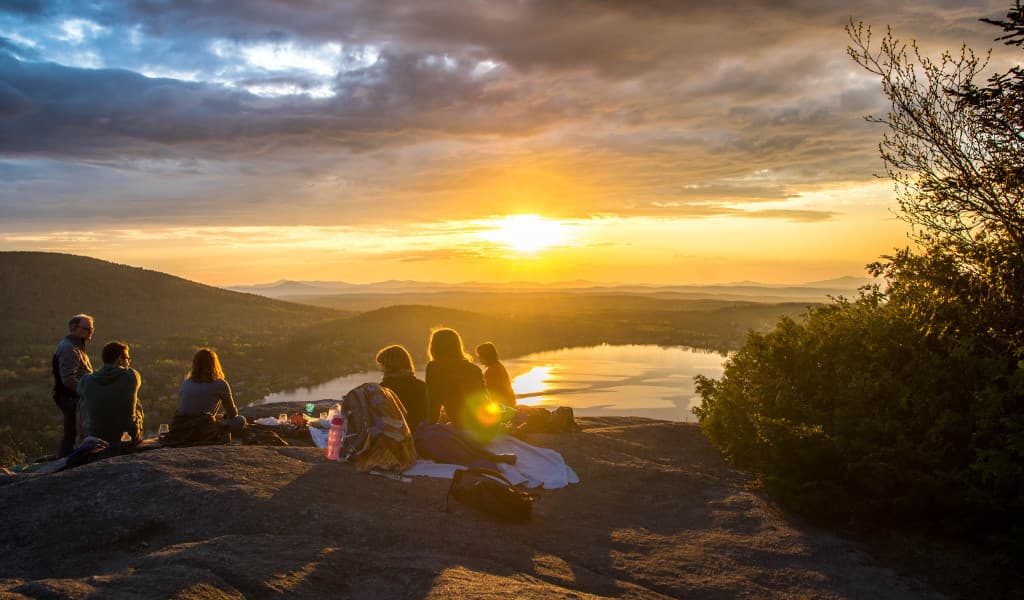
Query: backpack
(490, 492)
(563, 421)
(535, 419)
(376, 434)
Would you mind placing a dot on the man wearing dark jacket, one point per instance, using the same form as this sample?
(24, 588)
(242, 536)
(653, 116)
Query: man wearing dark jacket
(70, 364)
(111, 397)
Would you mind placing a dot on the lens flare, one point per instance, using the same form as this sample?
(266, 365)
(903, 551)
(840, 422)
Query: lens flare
(489, 414)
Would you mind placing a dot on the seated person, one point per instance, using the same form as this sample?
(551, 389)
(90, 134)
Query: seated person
(455, 383)
(400, 378)
(205, 391)
(499, 386)
(110, 397)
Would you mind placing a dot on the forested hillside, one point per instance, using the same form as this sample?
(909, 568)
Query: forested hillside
(163, 318)
(44, 289)
(269, 345)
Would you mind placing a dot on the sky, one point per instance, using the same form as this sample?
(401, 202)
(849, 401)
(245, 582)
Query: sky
(655, 141)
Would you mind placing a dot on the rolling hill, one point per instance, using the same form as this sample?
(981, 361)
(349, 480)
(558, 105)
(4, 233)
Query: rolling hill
(268, 345)
(163, 318)
(40, 291)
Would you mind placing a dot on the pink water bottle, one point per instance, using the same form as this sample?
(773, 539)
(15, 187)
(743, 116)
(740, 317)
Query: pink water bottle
(335, 437)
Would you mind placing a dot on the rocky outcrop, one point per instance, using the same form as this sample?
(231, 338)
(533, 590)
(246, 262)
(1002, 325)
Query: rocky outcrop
(657, 514)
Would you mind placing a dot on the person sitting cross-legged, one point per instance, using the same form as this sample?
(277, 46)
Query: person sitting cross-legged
(203, 392)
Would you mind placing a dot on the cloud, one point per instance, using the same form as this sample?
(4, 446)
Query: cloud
(365, 111)
(109, 112)
(693, 210)
(433, 255)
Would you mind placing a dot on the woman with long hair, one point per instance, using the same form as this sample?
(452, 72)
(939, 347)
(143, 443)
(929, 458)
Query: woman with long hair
(205, 389)
(400, 377)
(456, 384)
(203, 392)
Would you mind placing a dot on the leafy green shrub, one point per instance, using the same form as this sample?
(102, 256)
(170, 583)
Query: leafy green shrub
(858, 410)
(908, 405)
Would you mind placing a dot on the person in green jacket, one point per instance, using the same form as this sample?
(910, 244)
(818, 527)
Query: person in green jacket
(111, 397)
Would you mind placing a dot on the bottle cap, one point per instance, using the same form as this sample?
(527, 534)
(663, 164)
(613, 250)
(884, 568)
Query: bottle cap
(337, 421)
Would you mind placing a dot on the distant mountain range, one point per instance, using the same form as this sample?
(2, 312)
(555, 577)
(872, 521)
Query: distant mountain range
(750, 290)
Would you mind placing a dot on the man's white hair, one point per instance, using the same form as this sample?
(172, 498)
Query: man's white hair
(75, 320)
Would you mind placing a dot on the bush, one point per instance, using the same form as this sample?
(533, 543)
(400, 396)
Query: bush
(909, 404)
(857, 411)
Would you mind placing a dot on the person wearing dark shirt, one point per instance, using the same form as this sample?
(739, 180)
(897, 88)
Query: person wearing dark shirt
(496, 379)
(458, 385)
(110, 397)
(400, 378)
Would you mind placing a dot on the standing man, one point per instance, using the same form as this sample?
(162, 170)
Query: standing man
(70, 364)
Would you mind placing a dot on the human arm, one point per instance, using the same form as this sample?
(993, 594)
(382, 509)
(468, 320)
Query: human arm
(138, 416)
(69, 366)
(492, 381)
(434, 395)
(501, 388)
(230, 408)
(477, 385)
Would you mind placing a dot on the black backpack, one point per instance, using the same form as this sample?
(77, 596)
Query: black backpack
(490, 492)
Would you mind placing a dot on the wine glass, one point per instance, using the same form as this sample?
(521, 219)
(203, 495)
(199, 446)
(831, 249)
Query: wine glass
(164, 428)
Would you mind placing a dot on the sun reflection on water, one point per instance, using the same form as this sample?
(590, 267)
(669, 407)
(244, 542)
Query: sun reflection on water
(534, 382)
(646, 381)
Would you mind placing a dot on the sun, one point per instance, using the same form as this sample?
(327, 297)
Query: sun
(526, 234)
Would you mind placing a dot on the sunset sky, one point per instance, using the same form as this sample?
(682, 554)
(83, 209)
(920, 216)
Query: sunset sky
(634, 141)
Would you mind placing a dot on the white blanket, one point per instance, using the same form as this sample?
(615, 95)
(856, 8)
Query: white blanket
(535, 467)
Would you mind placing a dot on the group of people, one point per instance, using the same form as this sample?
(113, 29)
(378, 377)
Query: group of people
(105, 403)
(469, 397)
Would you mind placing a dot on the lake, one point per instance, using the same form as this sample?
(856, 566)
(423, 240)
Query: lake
(635, 380)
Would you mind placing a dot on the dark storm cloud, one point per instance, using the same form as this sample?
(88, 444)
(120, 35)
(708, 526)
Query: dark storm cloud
(614, 38)
(54, 110)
